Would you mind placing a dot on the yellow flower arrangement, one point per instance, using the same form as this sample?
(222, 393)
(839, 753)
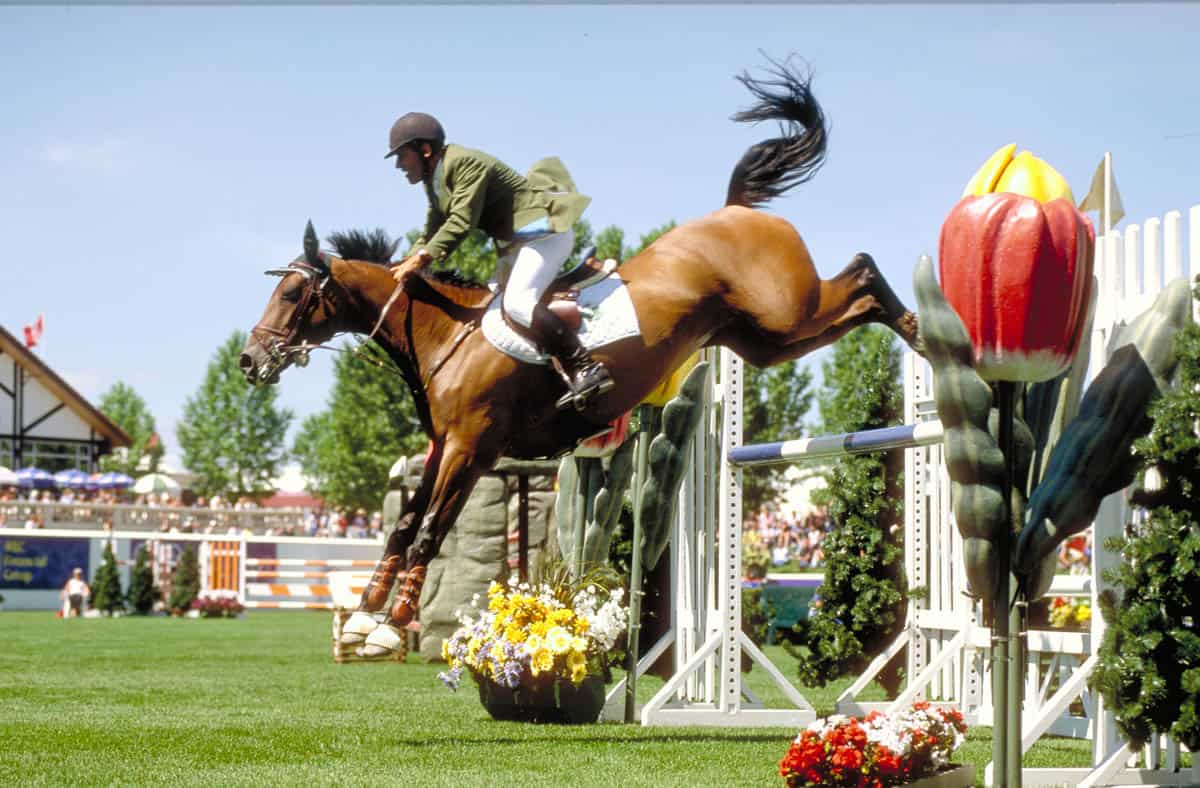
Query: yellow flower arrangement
(1064, 612)
(536, 633)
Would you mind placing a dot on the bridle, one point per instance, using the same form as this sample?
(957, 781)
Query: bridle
(283, 348)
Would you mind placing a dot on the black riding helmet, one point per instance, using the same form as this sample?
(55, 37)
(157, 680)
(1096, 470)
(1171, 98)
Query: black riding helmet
(413, 127)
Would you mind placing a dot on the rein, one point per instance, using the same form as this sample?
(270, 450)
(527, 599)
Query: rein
(285, 348)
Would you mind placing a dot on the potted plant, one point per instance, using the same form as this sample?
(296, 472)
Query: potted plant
(539, 652)
(910, 747)
(1066, 613)
(217, 604)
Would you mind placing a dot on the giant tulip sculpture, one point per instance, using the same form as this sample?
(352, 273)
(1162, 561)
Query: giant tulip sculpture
(1017, 268)
(1015, 259)
(1016, 279)
(1013, 306)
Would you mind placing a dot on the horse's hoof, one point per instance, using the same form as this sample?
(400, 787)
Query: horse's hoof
(909, 328)
(384, 640)
(357, 627)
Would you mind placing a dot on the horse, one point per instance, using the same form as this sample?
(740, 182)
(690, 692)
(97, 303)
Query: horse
(736, 278)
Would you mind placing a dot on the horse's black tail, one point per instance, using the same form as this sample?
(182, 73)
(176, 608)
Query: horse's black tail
(773, 166)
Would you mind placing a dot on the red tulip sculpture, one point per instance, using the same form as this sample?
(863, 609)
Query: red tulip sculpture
(1017, 267)
(1016, 280)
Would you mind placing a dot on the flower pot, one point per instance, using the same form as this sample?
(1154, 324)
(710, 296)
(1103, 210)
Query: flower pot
(558, 702)
(956, 776)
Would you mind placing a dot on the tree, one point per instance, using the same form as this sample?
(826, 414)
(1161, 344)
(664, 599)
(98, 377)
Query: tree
(475, 258)
(106, 585)
(142, 593)
(776, 400)
(128, 410)
(185, 585)
(610, 244)
(583, 242)
(863, 593)
(371, 420)
(652, 236)
(1149, 663)
(232, 433)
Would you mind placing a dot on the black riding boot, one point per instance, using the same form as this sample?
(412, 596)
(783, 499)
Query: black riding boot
(587, 377)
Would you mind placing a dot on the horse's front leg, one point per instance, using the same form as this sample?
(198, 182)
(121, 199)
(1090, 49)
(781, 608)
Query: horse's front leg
(362, 621)
(458, 472)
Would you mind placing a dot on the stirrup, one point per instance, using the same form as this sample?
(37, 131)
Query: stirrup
(582, 398)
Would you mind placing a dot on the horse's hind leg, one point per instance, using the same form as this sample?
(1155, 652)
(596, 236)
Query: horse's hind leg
(891, 312)
(860, 294)
(856, 296)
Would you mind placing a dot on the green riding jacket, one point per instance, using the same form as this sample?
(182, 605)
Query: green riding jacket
(471, 189)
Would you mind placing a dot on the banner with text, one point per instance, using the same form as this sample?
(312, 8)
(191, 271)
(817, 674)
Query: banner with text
(40, 563)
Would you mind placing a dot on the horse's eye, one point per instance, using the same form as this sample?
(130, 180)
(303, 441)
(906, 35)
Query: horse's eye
(292, 294)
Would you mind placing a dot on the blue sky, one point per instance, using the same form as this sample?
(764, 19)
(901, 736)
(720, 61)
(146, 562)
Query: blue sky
(156, 160)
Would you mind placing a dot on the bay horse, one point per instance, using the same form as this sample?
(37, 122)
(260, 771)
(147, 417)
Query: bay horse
(736, 278)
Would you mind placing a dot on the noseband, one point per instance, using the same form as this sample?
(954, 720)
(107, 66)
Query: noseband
(283, 348)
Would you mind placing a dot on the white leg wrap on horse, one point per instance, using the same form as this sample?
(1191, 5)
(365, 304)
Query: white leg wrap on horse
(384, 640)
(357, 627)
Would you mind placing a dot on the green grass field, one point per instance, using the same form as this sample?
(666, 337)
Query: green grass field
(258, 701)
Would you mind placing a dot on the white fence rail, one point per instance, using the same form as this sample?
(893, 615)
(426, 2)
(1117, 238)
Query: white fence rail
(130, 517)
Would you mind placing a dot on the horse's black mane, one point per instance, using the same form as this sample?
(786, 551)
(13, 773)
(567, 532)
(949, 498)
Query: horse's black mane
(376, 246)
(452, 277)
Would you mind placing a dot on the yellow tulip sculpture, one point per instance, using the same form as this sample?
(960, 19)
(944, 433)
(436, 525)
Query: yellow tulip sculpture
(1022, 173)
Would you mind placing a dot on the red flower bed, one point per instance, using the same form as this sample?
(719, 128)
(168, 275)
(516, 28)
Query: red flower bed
(873, 752)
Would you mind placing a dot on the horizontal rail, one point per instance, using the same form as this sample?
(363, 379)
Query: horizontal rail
(252, 574)
(286, 590)
(332, 542)
(289, 605)
(907, 436)
(308, 562)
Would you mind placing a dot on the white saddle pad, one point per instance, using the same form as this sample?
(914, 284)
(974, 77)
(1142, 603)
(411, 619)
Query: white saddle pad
(607, 313)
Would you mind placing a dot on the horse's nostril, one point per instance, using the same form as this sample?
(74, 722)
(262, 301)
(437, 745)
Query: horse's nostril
(245, 362)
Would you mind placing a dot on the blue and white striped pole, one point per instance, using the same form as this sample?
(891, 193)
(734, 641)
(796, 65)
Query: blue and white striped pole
(903, 437)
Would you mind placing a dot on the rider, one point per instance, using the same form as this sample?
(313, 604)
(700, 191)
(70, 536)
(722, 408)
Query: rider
(529, 218)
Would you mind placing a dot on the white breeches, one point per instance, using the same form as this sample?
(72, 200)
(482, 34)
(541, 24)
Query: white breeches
(531, 266)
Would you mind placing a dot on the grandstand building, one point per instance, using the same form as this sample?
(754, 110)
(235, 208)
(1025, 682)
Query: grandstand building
(44, 421)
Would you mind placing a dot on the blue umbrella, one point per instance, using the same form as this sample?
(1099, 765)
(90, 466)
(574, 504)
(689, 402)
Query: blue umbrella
(34, 477)
(73, 478)
(113, 480)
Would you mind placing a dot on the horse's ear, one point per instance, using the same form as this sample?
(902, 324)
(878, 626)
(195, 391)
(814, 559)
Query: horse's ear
(312, 248)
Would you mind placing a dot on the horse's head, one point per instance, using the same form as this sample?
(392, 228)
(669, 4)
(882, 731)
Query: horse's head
(299, 316)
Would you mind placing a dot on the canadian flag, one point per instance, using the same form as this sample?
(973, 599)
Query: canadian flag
(33, 333)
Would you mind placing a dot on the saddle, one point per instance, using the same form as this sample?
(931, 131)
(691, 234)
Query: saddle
(562, 297)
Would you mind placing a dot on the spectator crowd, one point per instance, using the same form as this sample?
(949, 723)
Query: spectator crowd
(792, 539)
(67, 508)
(798, 541)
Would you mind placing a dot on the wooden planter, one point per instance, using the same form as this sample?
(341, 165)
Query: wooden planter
(561, 702)
(342, 654)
